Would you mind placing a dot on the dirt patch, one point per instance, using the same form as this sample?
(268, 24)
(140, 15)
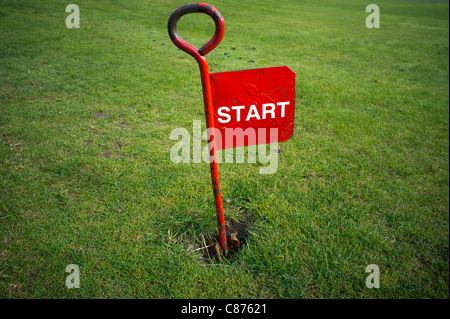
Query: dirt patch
(237, 233)
(124, 125)
(101, 115)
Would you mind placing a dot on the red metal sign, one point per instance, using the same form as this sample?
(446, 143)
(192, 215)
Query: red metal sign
(248, 103)
(237, 103)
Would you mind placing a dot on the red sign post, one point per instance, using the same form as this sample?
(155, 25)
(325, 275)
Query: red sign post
(258, 99)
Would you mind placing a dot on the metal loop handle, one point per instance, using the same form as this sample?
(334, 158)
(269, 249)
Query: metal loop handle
(192, 8)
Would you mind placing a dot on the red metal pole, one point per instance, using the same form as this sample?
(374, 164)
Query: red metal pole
(199, 55)
(209, 114)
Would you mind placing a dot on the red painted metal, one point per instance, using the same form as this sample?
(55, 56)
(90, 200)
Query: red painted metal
(199, 56)
(259, 99)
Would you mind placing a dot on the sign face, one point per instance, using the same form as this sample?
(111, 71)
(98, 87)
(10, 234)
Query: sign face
(254, 106)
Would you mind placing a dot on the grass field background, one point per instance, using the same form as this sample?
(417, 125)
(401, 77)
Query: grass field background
(363, 180)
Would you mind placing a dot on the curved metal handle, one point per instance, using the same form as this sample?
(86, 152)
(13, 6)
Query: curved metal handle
(192, 8)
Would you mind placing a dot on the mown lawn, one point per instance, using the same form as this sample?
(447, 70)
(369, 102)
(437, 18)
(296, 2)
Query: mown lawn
(86, 176)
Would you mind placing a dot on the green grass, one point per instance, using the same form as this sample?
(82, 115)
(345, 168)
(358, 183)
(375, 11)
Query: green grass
(363, 180)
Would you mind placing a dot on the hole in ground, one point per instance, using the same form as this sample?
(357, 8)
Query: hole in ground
(237, 233)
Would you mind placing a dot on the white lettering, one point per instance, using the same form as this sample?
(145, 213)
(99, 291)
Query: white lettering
(283, 104)
(373, 280)
(189, 309)
(238, 111)
(73, 280)
(183, 145)
(220, 112)
(73, 19)
(373, 19)
(253, 112)
(265, 110)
